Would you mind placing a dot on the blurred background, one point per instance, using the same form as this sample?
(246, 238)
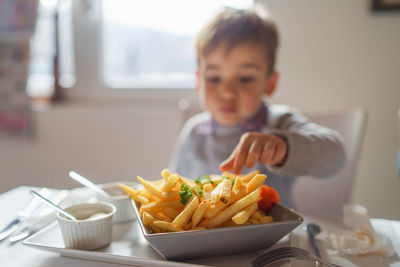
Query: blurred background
(103, 87)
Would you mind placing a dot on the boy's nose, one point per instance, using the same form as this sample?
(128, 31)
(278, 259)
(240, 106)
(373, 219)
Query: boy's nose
(228, 90)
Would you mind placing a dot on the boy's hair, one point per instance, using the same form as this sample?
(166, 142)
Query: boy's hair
(236, 26)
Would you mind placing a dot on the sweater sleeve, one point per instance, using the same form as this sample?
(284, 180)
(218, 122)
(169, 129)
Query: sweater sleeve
(313, 149)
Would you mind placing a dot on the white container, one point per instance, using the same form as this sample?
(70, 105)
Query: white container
(120, 200)
(84, 233)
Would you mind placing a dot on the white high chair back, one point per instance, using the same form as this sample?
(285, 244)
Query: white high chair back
(398, 143)
(325, 197)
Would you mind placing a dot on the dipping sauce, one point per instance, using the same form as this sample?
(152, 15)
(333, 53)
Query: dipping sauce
(93, 227)
(92, 217)
(96, 216)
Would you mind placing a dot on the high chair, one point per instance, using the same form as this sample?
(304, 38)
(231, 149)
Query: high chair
(325, 197)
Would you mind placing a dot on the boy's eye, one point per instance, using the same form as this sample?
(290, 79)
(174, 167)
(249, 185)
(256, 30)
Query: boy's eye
(246, 79)
(213, 79)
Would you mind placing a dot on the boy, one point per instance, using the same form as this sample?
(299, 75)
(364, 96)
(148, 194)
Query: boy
(239, 131)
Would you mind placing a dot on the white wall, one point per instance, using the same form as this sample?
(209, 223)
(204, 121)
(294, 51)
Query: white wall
(337, 53)
(102, 142)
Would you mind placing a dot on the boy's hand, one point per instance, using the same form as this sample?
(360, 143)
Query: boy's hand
(253, 147)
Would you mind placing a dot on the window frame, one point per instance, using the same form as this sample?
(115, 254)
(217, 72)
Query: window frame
(89, 82)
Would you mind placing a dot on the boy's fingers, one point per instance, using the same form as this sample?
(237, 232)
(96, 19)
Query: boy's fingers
(227, 165)
(238, 164)
(266, 154)
(280, 153)
(241, 155)
(274, 157)
(254, 154)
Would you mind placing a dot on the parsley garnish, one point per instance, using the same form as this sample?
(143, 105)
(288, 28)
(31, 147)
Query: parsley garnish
(199, 190)
(208, 178)
(185, 193)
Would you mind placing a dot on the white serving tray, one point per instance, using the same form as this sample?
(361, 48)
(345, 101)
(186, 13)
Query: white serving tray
(129, 247)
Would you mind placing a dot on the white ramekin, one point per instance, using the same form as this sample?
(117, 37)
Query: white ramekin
(120, 200)
(87, 234)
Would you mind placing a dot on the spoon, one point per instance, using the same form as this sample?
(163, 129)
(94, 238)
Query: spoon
(52, 205)
(312, 231)
(86, 182)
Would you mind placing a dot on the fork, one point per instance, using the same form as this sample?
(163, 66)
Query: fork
(287, 253)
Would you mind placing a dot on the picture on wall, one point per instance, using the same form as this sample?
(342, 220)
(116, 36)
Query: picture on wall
(382, 5)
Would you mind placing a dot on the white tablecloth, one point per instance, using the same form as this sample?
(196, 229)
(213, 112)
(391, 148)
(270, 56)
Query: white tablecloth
(20, 255)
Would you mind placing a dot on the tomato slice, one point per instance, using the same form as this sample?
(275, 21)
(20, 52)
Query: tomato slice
(269, 196)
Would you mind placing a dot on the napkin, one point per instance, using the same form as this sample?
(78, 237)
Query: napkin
(362, 238)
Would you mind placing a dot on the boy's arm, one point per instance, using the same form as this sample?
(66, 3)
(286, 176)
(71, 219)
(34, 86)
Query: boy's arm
(253, 147)
(312, 149)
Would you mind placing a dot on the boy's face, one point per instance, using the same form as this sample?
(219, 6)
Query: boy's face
(231, 84)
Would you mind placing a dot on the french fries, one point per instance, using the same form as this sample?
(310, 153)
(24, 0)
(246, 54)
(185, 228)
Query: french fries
(170, 227)
(242, 216)
(227, 213)
(255, 182)
(200, 211)
(150, 187)
(184, 217)
(175, 203)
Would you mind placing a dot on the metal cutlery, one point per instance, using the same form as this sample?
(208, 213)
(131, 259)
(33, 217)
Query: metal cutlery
(45, 217)
(15, 224)
(20, 235)
(86, 182)
(283, 254)
(312, 231)
(52, 205)
(9, 229)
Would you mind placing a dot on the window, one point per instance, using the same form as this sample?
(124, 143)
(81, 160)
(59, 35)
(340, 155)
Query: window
(150, 44)
(43, 48)
(110, 46)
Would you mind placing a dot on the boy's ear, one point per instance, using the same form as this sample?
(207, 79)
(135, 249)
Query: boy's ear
(198, 81)
(272, 83)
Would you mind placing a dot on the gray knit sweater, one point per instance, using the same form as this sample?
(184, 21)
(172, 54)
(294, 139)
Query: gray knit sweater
(312, 149)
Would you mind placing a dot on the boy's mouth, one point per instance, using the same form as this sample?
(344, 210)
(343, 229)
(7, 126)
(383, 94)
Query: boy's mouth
(228, 109)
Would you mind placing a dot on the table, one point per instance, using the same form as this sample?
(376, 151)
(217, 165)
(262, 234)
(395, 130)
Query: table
(20, 255)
